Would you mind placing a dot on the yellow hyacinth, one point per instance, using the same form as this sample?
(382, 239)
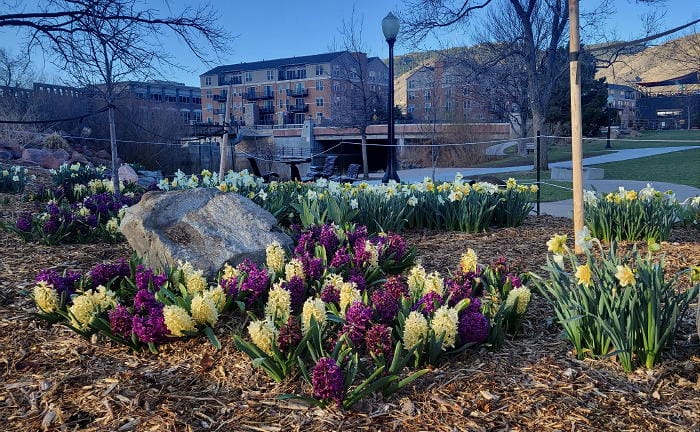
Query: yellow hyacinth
(178, 321)
(415, 330)
(520, 297)
(349, 294)
(263, 334)
(279, 304)
(468, 261)
(274, 257)
(313, 308)
(218, 296)
(204, 310)
(416, 279)
(223, 187)
(46, 298)
(444, 323)
(625, 275)
(294, 268)
(583, 274)
(434, 283)
(82, 310)
(195, 282)
(230, 272)
(557, 244)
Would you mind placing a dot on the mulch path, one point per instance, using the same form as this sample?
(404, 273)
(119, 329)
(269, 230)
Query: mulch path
(54, 380)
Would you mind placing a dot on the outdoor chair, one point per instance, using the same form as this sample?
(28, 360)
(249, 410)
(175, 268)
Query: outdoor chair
(267, 176)
(324, 171)
(351, 175)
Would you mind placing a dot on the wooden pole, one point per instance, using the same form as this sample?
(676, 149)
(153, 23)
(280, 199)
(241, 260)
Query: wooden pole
(225, 150)
(576, 120)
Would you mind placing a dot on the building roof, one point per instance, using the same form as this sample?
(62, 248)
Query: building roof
(620, 87)
(277, 63)
(691, 78)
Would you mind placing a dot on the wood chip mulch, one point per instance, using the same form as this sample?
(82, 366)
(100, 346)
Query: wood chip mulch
(53, 380)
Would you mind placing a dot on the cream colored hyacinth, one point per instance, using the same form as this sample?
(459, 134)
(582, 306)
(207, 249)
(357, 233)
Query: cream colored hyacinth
(520, 297)
(230, 272)
(263, 334)
(204, 310)
(415, 330)
(85, 306)
(274, 257)
(45, 297)
(416, 279)
(333, 279)
(112, 226)
(348, 295)
(294, 268)
(434, 283)
(194, 279)
(178, 321)
(444, 323)
(217, 295)
(373, 252)
(313, 308)
(279, 304)
(468, 261)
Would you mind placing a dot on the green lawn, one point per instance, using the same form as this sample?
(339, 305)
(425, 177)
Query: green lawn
(555, 190)
(678, 167)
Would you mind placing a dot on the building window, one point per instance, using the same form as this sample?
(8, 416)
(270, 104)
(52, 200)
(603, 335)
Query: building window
(411, 84)
(428, 105)
(319, 70)
(411, 95)
(270, 75)
(248, 76)
(467, 104)
(411, 107)
(372, 76)
(301, 73)
(282, 103)
(198, 116)
(336, 87)
(269, 91)
(336, 70)
(319, 101)
(207, 80)
(208, 94)
(319, 117)
(426, 96)
(448, 105)
(319, 85)
(210, 107)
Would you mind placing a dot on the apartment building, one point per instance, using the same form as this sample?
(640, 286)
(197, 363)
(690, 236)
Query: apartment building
(438, 92)
(291, 90)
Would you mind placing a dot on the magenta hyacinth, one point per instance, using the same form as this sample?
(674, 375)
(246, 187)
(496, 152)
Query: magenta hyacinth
(328, 381)
(150, 328)
(102, 274)
(297, 291)
(120, 321)
(429, 303)
(289, 335)
(386, 303)
(358, 318)
(458, 291)
(256, 281)
(378, 341)
(395, 245)
(340, 258)
(473, 327)
(330, 294)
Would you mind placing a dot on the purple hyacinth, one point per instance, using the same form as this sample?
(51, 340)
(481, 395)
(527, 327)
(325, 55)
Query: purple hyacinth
(289, 335)
(340, 258)
(330, 294)
(101, 274)
(395, 245)
(515, 281)
(474, 305)
(146, 276)
(313, 267)
(473, 327)
(362, 255)
(230, 286)
(24, 223)
(145, 301)
(429, 303)
(457, 291)
(61, 283)
(378, 341)
(328, 381)
(358, 278)
(358, 318)
(53, 209)
(120, 321)
(305, 244)
(360, 231)
(151, 327)
(297, 291)
(386, 303)
(397, 285)
(328, 239)
(256, 281)
(51, 225)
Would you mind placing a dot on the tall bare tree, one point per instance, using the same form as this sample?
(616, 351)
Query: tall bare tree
(100, 43)
(15, 70)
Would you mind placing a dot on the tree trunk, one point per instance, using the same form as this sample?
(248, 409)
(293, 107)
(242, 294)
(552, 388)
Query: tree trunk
(365, 163)
(225, 150)
(538, 125)
(113, 146)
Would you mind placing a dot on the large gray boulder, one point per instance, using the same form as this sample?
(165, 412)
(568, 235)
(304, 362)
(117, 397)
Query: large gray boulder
(205, 227)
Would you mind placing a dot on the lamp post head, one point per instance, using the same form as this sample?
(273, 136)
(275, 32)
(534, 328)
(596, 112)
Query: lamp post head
(390, 27)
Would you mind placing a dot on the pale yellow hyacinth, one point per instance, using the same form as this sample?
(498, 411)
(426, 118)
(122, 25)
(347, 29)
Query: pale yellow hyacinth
(625, 275)
(349, 294)
(468, 261)
(520, 297)
(415, 330)
(416, 279)
(313, 308)
(584, 275)
(45, 297)
(230, 272)
(279, 304)
(178, 321)
(195, 282)
(294, 268)
(204, 310)
(263, 334)
(434, 283)
(218, 296)
(557, 244)
(444, 323)
(274, 257)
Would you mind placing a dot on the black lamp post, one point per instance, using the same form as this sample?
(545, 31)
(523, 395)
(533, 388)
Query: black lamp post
(390, 27)
(611, 100)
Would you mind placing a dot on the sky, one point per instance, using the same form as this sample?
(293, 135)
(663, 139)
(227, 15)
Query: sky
(265, 30)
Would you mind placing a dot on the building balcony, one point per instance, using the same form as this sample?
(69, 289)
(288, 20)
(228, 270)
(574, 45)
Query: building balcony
(298, 108)
(266, 110)
(298, 92)
(219, 97)
(253, 96)
(219, 111)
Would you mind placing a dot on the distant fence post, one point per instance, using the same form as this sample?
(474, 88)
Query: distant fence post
(537, 164)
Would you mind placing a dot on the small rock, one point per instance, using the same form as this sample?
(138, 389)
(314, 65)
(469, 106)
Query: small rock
(127, 174)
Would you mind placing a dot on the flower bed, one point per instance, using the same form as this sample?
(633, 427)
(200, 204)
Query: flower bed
(13, 180)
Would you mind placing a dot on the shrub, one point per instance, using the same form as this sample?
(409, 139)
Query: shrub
(55, 141)
(615, 305)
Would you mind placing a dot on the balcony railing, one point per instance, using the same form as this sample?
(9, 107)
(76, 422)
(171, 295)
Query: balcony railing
(298, 108)
(298, 92)
(266, 110)
(219, 112)
(252, 96)
(219, 97)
